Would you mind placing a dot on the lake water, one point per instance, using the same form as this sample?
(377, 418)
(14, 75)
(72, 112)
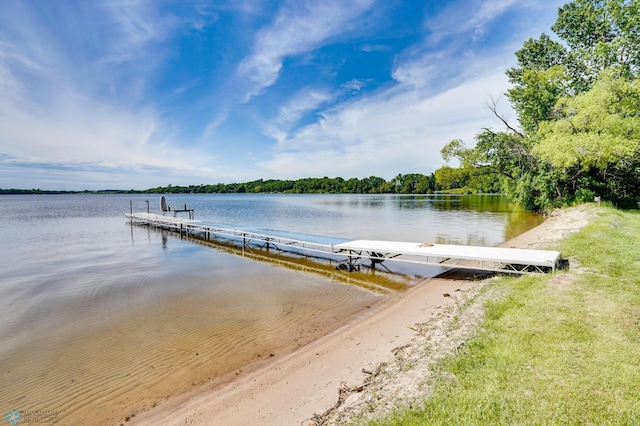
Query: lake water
(100, 319)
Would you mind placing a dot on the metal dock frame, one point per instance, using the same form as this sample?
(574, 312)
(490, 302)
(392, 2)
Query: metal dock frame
(494, 259)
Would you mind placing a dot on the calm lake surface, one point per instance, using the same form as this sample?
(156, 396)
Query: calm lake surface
(100, 319)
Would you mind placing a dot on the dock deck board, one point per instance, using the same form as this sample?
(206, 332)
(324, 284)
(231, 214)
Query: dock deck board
(492, 254)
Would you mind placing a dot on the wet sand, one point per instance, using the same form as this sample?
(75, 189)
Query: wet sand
(103, 362)
(291, 389)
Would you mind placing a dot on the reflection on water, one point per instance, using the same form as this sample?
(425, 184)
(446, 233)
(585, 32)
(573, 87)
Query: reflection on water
(100, 319)
(381, 280)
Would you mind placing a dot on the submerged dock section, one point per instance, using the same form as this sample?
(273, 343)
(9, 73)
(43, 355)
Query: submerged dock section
(355, 253)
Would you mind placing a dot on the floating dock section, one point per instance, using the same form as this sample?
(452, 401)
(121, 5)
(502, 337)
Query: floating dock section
(496, 259)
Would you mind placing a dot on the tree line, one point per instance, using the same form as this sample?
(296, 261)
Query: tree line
(414, 183)
(578, 106)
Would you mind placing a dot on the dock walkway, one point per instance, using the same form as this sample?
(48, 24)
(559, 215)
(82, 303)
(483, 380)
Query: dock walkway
(496, 259)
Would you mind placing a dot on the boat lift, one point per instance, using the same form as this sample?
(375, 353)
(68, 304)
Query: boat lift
(495, 259)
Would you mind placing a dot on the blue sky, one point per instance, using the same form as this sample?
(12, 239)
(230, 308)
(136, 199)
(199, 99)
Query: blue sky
(122, 94)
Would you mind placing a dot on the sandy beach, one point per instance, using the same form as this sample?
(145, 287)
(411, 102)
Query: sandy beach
(328, 380)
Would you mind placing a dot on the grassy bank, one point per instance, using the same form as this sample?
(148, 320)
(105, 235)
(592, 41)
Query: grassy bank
(555, 349)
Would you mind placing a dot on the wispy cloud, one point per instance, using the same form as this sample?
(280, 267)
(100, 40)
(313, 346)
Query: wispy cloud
(306, 101)
(299, 27)
(92, 174)
(75, 110)
(464, 16)
(354, 85)
(397, 132)
(139, 21)
(440, 94)
(10, 87)
(450, 53)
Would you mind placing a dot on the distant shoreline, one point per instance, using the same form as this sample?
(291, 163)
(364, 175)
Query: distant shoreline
(53, 192)
(414, 183)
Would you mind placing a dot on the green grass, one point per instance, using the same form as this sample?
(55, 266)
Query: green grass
(560, 349)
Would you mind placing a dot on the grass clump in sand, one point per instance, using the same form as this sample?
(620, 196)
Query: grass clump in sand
(555, 349)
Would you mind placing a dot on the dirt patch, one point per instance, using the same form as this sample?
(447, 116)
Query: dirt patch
(558, 225)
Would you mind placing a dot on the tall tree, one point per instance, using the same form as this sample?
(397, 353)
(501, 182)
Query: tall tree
(596, 133)
(594, 129)
(545, 72)
(602, 33)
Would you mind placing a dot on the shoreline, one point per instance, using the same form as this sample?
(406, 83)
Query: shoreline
(298, 387)
(291, 389)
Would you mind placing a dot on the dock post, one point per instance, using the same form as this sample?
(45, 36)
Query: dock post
(130, 211)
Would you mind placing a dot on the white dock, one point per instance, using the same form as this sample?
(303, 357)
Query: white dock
(457, 256)
(497, 259)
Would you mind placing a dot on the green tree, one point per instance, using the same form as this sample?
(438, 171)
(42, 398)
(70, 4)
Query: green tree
(595, 140)
(545, 72)
(602, 33)
(506, 153)
(595, 129)
(372, 184)
(451, 178)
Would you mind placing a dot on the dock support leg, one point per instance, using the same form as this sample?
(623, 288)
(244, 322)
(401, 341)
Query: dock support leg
(348, 264)
(376, 258)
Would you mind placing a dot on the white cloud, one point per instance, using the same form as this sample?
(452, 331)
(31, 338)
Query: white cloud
(401, 131)
(299, 27)
(213, 124)
(78, 129)
(354, 85)
(10, 87)
(308, 100)
(440, 95)
(305, 101)
(85, 111)
(468, 16)
(487, 12)
(74, 134)
(27, 54)
(139, 21)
